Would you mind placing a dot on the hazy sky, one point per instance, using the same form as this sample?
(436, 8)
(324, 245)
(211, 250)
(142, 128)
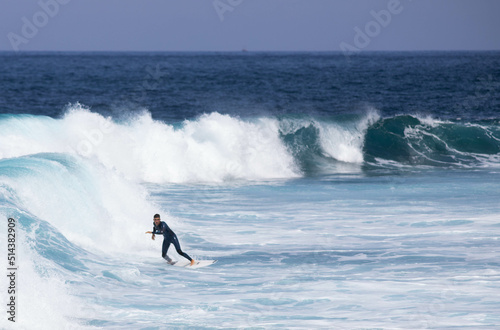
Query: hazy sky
(230, 25)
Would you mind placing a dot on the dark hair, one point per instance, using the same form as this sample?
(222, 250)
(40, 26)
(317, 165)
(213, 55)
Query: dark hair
(156, 216)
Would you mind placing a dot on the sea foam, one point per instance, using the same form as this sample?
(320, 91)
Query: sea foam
(211, 148)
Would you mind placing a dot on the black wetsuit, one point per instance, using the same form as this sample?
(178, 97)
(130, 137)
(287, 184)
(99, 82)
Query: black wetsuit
(168, 237)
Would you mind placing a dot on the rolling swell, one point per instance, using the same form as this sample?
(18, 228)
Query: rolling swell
(362, 143)
(411, 140)
(219, 148)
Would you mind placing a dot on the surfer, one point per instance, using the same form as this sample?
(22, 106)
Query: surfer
(160, 227)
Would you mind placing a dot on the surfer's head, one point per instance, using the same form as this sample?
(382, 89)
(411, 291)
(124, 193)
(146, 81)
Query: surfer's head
(156, 219)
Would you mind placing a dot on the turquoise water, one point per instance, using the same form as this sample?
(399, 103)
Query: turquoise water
(365, 216)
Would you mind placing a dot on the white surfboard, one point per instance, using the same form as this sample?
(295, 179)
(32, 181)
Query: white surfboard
(197, 264)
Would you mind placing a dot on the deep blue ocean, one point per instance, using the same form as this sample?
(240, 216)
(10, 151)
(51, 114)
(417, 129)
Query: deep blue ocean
(336, 192)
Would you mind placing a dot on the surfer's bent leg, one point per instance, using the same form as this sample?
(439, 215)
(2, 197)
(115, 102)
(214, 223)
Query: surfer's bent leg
(175, 241)
(164, 249)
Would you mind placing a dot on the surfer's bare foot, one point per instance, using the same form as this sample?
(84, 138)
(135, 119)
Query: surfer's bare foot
(192, 262)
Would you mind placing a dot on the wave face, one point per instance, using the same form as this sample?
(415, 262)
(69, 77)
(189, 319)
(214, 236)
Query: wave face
(218, 148)
(68, 211)
(412, 140)
(321, 146)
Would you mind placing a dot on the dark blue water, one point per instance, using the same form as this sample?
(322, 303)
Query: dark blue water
(336, 192)
(176, 86)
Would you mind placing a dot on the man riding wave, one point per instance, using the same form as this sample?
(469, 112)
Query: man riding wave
(160, 227)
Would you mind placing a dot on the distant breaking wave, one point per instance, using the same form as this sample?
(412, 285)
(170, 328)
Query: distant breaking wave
(218, 148)
(414, 141)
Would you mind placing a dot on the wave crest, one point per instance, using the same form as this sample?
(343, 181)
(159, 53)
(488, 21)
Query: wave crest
(211, 148)
(217, 148)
